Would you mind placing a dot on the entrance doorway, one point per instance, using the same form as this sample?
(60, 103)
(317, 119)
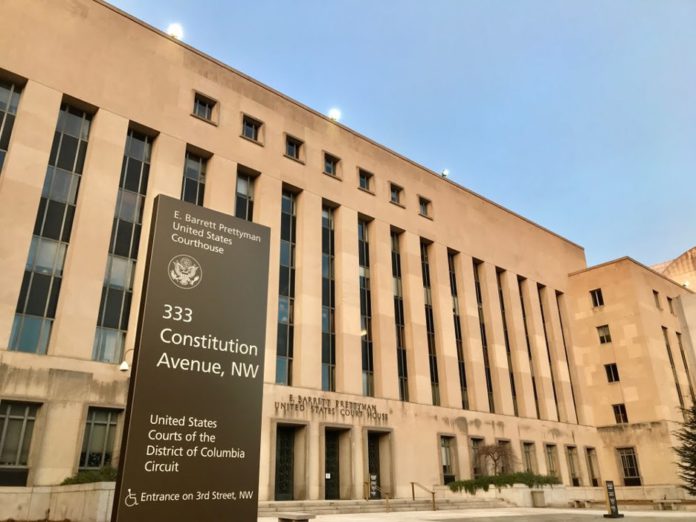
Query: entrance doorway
(379, 465)
(332, 467)
(290, 481)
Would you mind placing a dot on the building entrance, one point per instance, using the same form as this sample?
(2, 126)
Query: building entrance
(285, 463)
(332, 468)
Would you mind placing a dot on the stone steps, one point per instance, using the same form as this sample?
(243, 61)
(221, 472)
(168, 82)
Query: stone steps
(332, 507)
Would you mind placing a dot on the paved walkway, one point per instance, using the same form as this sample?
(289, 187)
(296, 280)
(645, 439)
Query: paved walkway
(504, 515)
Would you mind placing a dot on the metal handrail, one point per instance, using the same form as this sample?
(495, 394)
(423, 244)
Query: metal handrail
(366, 493)
(413, 493)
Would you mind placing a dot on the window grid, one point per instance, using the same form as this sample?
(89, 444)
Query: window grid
(366, 342)
(680, 396)
(117, 292)
(293, 147)
(447, 459)
(520, 280)
(244, 205)
(484, 338)
(592, 466)
(629, 466)
(612, 372)
(98, 439)
(506, 336)
(330, 164)
(9, 100)
(686, 368)
(203, 107)
(604, 334)
(424, 206)
(365, 180)
(395, 193)
(328, 301)
(251, 128)
(597, 298)
(620, 414)
(430, 324)
(540, 290)
(529, 457)
(573, 466)
(458, 337)
(399, 318)
(286, 289)
(552, 460)
(38, 298)
(16, 428)
(193, 188)
(477, 469)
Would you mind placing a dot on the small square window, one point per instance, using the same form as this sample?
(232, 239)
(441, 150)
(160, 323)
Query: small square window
(203, 107)
(251, 128)
(612, 372)
(424, 205)
(597, 298)
(656, 297)
(365, 180)
(330, 164)
(604, 334)
(293, 148)
(395, 193)
(620, 413)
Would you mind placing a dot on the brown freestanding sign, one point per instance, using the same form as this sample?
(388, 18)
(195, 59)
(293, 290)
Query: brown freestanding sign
(193, 422)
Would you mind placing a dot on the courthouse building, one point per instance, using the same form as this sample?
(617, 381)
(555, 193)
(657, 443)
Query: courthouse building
(410, 320)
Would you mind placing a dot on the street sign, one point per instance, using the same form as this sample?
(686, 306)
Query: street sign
(612, 504)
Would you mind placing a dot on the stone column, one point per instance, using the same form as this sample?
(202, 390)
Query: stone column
(220, 184)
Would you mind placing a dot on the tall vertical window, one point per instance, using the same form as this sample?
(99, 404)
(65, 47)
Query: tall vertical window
(477, 469)
(286, 289)
(597, 298)
(9, 100)
(114, 308)
(368, 371)
(604, 334)
(16, 428)
(193, 188)
(98, 440)
(520, 280)
(529, 457)
(430, 324)
(541, 289)
(458, 337)
(447, 459)
(244, 206)
(620, 414)
(573, 466)
(551, 453)
(656, 298)
(559, 297)
(328, 301)
(399, 317)
(484, 337)
(38, 297)
(592, 466)
(686, 368)
(506, 335)
(674, 369)
(629, 466)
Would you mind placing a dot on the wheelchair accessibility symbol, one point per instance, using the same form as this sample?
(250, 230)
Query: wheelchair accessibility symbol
(131, 499)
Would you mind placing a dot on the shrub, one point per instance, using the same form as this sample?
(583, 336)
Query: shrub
(92, 475)
(529, 479)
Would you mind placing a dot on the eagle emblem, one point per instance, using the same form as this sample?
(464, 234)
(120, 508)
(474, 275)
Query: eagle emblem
(185, 272)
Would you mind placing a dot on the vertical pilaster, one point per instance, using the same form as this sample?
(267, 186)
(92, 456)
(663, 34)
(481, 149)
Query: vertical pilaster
(220, 180)
(85, 265)
(21, 181)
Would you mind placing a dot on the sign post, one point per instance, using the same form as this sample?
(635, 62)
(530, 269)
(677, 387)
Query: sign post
(612, 505)
(192, 434)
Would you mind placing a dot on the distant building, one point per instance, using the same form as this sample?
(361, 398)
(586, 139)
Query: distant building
(410, 320)
(682, 269)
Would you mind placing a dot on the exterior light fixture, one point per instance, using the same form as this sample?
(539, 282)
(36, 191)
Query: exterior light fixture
(124, 366)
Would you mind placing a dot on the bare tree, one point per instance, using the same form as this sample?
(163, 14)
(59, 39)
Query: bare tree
(500, 457)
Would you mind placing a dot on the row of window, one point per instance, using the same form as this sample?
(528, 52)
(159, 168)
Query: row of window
(597, 299)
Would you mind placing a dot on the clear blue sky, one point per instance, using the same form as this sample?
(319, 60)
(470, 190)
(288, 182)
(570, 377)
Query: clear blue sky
(580, 115)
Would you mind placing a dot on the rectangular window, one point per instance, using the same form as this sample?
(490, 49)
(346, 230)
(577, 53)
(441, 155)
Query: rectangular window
(286, 290)
(98, 439)
(665, 334)
(620, 413)
(484, 338)
(686, 367)
(244, 205)
(656, 297)
(447, 459)
(424, 206)
(597, 298)
(399, 317)
(251, 128)
(670, 305)
(541, 290)
(16, 429)
(9, 101)
(520, 282)
(430, 324)
(193, 188)
(573, 466)
(203, 107)
(551, 452)
(328, 301)
(293, 148)
(506, 337)
(506, 458)
(330, 164)
(529, 457)
(593, 466)
(629, 466)
(477, 464)
(365, 180)
(38, 297)
(395, 193)
(612, 372)
(368, 370)
(604, 334)
(115, 305)
(458, 337)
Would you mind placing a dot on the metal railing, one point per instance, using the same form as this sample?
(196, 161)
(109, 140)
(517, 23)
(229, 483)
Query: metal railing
(413, 493)
(366, 493)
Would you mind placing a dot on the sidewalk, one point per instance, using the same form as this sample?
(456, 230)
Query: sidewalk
(503, 515)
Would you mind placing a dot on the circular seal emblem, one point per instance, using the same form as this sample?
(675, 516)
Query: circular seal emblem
(185, 272)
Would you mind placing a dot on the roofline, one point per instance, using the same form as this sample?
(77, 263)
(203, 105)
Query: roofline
(631, 260)
(326, 118)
